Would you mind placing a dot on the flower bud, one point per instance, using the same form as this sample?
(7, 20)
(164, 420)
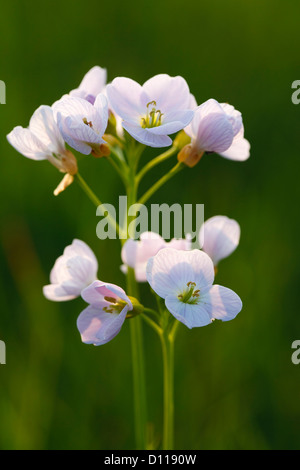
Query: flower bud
(65, 182)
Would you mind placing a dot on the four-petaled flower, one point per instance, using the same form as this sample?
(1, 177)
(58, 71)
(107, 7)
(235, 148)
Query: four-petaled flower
(153, 111)
(216, 127)
(219, 236)
(136, 254)
(72, 272)
(83, 124)
(102, 320)
(184, 279)
(42, 140)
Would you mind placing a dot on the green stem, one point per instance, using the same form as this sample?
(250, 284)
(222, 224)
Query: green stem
(155, 161)
(137, 347)
(179, 166)
(96, 201)
(167, 343)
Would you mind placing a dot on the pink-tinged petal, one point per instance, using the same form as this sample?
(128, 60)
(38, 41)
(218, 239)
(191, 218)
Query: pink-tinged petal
(219, 236)
(192, 315)
(57, 293)
(80, 248)
(94, 81)
(193, 103)
(234, 116)
(99, 327)
(94, 294)
(74, 270)
(170, 270)
(215, 133)
(173, 122)
(81, 147)
(44, 127)
(146, 137)
(180, 243)
(25, 142)
(239, 149)
(169, 93)
(221, 303)
(127, 98)
(79, 131)
(101, 105)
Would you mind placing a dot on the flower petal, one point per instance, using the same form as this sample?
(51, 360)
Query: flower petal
(192, 315)
(43, 126)
(127, 98)
(170, 270)
(57, 293)
(239, 149)
(93, 82)
(99, 327)
(94, 294)
(169, 93)
(25, 142)
(215, 133)
(145, 136)
(173, 122)
(219, 236)
(222, 303)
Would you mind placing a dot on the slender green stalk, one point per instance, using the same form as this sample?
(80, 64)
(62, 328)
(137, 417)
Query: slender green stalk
(155, 161)
(137, 347)
(96, 201)
(179, 166)
(167, 343)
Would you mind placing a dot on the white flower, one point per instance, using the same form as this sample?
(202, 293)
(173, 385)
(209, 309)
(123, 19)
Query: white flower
(153, 111)
(91, 85)
(219, 236)
(102, 320)
(136, 254)
(82, 124)
(42, 140)
(72, 272)
(184, 280)
(215, 128)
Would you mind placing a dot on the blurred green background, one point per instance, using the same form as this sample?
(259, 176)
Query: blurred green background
(236, 387)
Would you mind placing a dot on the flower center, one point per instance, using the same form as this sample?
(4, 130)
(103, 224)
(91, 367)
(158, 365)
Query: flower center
(153, 116)
(88, 123)
(190, 295)
(116, 305)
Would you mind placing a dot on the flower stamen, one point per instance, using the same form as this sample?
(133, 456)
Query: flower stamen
(190, 295)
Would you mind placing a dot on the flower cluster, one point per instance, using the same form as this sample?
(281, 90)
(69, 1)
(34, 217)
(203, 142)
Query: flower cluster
(107, 120)
(181, 276)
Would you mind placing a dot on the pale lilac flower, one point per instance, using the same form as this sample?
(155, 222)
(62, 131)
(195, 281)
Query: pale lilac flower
(153, 111)
(184, 279)
(82, 124)
(216, 127)
(72, 272)
(219, 236)
(42, 140)
(102, 320)
(91, 85)
(136, 254)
